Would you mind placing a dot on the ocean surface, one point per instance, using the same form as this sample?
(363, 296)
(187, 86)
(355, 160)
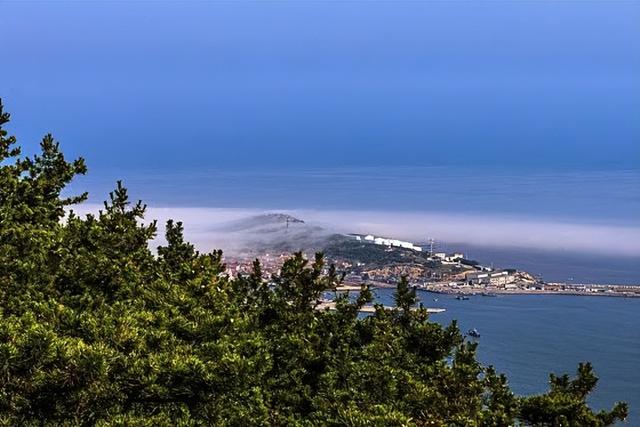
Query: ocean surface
(527, 337)
(609, 197)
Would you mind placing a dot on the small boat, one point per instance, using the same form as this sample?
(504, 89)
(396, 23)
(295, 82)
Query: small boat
(473, 333)
(435, 299)
(489, 294)
(462, 297)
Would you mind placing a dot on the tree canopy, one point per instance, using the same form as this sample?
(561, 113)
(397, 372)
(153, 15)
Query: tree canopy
(98, 329)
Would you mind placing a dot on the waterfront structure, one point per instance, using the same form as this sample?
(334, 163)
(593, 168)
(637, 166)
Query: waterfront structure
(450, 258)
(497, 278)
(388, 242)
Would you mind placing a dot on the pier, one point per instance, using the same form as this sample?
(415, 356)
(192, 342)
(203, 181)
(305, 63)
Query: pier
(331, 305)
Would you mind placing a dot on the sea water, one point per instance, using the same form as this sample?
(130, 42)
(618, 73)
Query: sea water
(527, 337)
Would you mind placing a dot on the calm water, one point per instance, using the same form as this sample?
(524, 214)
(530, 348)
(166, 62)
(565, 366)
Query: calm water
(609, 197)
(527, 337)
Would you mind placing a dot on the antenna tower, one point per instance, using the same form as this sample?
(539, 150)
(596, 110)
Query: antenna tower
(431, 242)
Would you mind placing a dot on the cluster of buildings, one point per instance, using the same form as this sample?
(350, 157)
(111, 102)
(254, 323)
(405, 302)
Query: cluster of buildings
(387, 242)
(450, 273)
(504, 278)
(485, 281)
(448, 258)
(270, 263)
(442, 257)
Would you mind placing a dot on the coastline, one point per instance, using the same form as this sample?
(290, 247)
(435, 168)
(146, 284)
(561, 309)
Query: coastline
(586, 290)
(532, 292)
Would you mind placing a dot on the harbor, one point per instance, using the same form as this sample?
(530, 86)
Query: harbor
(555, 288)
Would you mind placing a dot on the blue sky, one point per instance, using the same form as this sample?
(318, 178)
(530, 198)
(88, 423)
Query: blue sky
(188, 85)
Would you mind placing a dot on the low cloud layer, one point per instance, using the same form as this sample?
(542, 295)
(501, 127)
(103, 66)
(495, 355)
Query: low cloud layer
(205, 228)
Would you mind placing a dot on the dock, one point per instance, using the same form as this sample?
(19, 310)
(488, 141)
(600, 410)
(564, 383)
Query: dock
(348, 288)
(331, 305)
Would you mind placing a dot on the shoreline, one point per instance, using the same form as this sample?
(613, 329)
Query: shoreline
(532, 292)
(613, 291)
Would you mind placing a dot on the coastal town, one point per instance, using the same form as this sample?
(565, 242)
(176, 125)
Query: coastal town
(381, 262)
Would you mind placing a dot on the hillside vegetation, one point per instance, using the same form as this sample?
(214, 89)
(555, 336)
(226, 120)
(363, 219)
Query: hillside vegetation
(96, 329)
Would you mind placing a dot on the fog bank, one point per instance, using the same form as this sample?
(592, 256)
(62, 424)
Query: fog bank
(205, 227)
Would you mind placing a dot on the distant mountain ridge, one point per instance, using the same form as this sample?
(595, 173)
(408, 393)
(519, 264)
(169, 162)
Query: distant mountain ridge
(264, 222)
(273, 232)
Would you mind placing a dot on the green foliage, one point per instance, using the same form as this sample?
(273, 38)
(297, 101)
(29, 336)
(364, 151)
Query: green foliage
(96, 329)
(344, 247)
(564, 404)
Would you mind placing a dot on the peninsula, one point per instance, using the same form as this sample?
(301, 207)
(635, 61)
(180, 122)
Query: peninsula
(381, 261)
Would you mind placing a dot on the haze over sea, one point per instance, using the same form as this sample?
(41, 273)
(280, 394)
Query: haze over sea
(566, 225)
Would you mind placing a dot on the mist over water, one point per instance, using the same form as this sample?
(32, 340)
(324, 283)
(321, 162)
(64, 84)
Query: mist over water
(567, 225)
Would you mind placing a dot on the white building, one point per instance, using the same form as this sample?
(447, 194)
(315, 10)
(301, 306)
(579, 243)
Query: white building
(498, 278)
(449, 258)
(390, 242)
